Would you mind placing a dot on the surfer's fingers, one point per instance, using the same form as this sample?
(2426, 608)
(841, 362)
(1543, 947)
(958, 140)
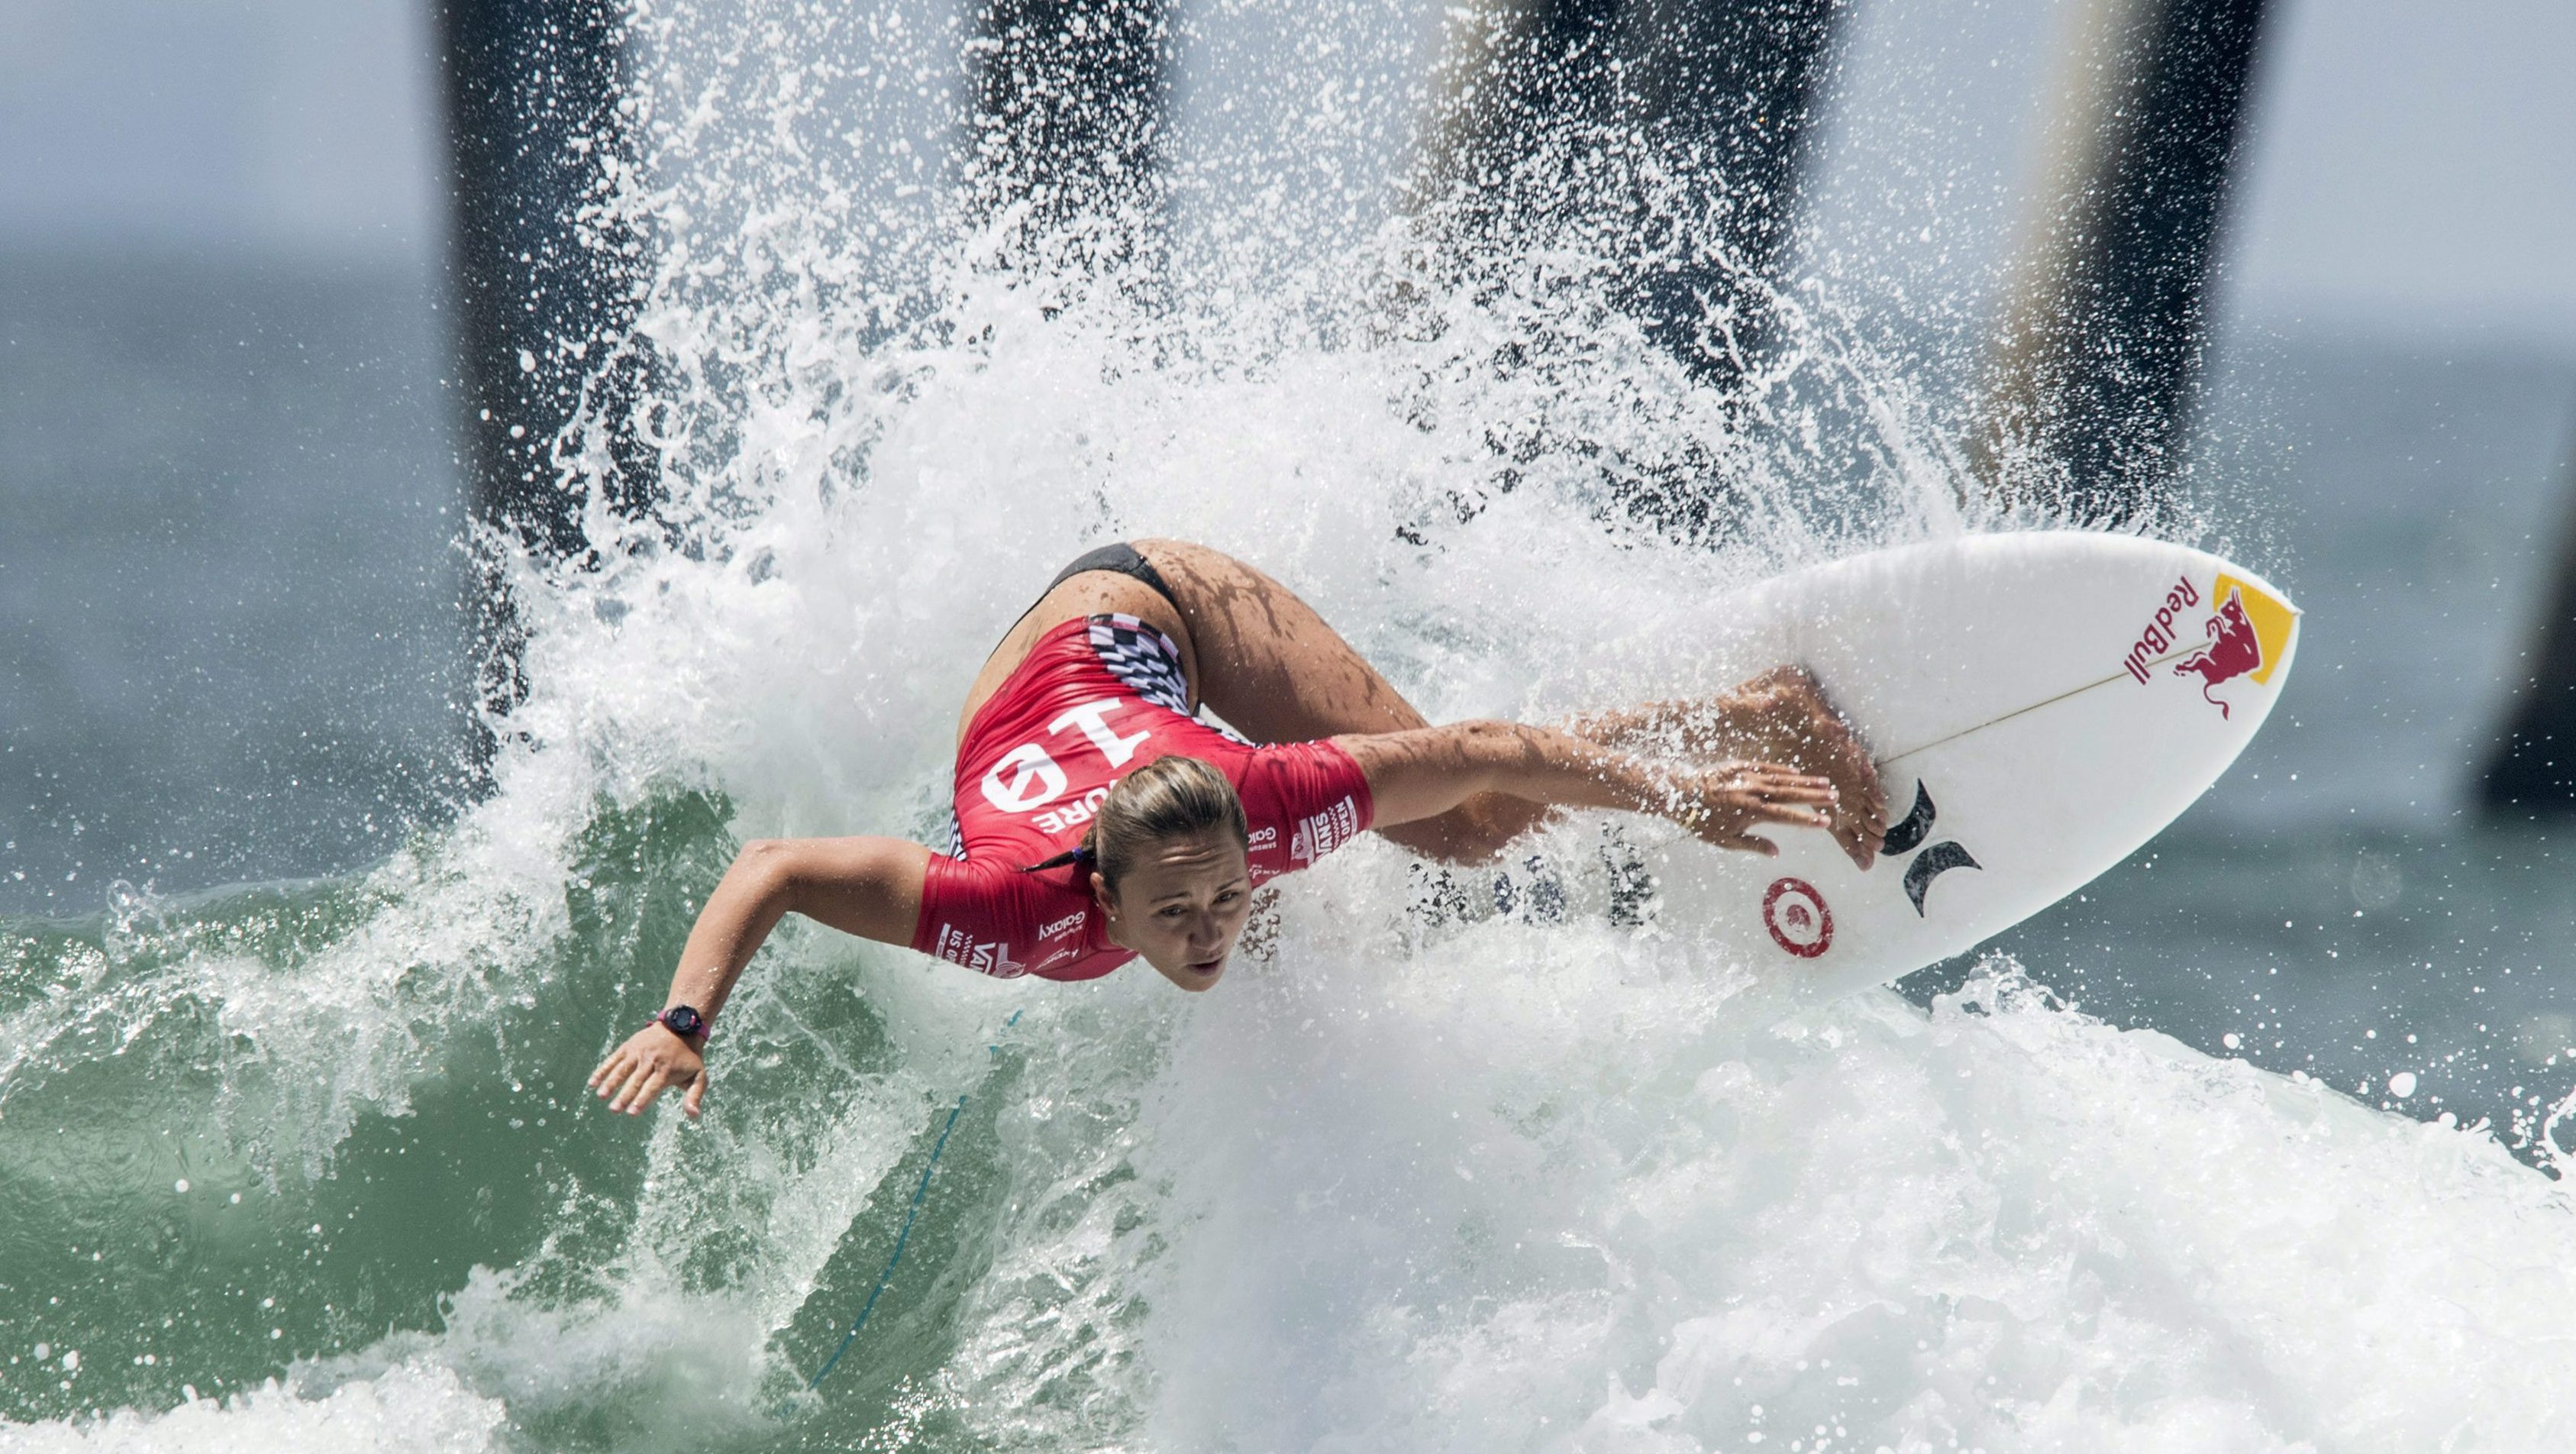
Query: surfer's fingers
(643, 1087)
(1861, 816)
(1771, 775)
(1750, 843)
(613, 1071)
(1864, 814)
(622, 1085)
(648, 1086)
(1860, 845)
(1851, 764)
(1789, 813)
(1791, 788)
(613, 1089)
(697, 1095)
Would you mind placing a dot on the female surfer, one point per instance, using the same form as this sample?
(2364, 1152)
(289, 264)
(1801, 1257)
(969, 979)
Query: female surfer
(1099, 820)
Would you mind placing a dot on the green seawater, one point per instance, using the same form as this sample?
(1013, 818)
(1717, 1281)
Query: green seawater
(197, 1205)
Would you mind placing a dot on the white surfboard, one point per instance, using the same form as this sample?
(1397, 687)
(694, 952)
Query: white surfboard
(2040, 705)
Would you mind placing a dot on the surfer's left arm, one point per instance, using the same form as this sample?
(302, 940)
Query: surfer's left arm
(870, 887)
(1426, 771)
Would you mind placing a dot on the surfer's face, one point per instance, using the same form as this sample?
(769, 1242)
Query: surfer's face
(1181, 906)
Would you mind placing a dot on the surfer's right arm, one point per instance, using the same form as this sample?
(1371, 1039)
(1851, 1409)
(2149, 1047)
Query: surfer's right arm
(1781, 716)
(870, 887)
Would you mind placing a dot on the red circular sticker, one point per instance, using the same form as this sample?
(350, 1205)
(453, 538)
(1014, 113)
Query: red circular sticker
(1797, 917)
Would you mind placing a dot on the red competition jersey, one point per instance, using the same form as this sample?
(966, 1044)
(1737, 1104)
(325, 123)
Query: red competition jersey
(1096, 699)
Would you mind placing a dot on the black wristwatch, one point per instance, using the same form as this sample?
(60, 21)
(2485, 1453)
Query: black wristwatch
(685, 1022)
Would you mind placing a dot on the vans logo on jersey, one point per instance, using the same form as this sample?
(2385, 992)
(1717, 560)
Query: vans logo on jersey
(991, 957)
(1325, 831)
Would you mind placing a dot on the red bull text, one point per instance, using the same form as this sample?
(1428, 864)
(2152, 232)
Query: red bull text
(2158, 636)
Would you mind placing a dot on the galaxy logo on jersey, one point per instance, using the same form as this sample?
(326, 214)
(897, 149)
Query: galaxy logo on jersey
(1325, 831)
(1068, 922)
(992, 957)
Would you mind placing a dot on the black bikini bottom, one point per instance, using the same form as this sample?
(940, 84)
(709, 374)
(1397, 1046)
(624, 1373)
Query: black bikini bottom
(1121, 557)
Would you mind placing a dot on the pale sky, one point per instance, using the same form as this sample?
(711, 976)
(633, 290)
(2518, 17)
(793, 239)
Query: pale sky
(2418, 156)
(2409, 159)
(303, 125)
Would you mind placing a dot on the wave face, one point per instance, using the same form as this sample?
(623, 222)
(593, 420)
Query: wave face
(310, 1166)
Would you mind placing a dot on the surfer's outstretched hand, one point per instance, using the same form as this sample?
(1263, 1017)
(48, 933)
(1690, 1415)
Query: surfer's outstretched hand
(651, 1061)
(1783, 715)
(1724, 804)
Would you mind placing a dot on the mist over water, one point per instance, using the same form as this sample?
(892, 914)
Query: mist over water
(1440, 1166)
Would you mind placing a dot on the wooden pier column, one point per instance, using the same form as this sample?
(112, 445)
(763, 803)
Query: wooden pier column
(543, 284)
(2532, 766)
(544, 281)
(1728, 88)
(1070, 100)
(2090, 376)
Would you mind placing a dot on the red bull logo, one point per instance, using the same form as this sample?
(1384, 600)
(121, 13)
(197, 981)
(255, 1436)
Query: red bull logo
(2246, 635)
(2233, 650)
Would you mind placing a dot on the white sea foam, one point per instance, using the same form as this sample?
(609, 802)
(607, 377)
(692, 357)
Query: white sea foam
(417, 1408)
(1578, 1209)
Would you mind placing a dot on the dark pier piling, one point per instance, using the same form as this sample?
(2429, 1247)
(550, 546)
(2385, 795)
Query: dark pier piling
(2531, 769)
(1070, 98)
(2091, 373)
(544, 281)
(544, 274)
(1723, 91)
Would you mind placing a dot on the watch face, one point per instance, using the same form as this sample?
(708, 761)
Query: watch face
(683, 1020)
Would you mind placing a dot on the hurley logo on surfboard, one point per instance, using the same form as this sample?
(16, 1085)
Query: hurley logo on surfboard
(1934, 861)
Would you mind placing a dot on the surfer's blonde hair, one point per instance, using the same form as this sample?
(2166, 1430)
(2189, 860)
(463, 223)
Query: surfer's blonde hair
(1170, 797)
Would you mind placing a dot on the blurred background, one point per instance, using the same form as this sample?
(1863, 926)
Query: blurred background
(233, 470)
(269, 1114)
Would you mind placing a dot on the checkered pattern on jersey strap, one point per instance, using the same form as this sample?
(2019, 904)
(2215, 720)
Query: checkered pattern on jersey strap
(1142, 658)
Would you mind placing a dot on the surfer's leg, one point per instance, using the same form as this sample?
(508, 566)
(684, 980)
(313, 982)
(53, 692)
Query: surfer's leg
(1275, 670)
